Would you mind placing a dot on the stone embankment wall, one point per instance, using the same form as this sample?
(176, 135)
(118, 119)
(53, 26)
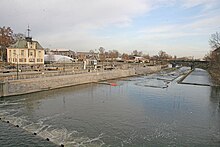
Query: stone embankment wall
(17, 87)
(147, 69)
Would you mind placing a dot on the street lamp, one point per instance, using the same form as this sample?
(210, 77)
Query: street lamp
(17, 70)
(16, 55)
(17, 66)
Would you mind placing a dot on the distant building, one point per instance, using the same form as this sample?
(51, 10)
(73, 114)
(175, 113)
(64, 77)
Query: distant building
(63, 52)
(86, 55)
(26, 52)
(58, 59)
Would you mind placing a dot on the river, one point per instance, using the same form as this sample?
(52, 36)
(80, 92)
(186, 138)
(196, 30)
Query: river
(140, 111)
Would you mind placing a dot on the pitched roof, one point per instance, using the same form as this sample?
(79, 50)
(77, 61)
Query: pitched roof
(60, 50)
(57, 58)
(22, 43)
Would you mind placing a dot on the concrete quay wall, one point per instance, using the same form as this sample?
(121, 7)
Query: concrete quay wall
(17, 87)
(24, 86)
(147, 69)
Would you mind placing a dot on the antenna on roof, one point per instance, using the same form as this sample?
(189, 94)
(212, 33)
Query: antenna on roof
(28, 29)
(28, 38)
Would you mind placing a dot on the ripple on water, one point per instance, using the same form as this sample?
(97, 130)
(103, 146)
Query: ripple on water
(55, 134)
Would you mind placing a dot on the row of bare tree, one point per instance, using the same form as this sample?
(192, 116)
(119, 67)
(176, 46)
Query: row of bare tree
(7, 37)
(214, 55)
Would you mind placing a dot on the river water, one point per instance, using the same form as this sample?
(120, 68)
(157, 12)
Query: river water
(139, 111)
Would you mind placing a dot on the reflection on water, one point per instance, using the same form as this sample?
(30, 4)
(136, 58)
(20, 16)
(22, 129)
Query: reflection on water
(215, 93)
(130, 114)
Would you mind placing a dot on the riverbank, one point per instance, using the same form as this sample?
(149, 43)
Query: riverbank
(24, 86)
(215, 74)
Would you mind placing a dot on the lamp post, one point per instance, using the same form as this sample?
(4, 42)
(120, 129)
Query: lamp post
(64, 64)
(17, 67)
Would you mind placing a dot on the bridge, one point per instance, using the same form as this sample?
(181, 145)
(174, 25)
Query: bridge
(190, 63)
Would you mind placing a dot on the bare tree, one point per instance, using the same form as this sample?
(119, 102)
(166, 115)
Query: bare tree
(146, 56)
(101, 50)
(116, 54)
(162, 55)
(137, 53)
(113, 54)
(214, 41)
(18, 36)
(92, 52)
(6, 39)
(125, 56)
(208, 56)
(214, 55)
(102, 54)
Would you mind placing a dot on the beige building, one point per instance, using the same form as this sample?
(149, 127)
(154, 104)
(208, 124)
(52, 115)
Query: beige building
(26, 52)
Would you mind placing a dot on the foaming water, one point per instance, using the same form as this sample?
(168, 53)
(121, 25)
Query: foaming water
(56, 135)
(134, 113)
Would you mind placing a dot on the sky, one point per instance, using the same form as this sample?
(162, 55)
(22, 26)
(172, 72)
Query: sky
(178, 27)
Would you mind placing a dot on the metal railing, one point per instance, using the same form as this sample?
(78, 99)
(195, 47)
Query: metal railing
(42, 74)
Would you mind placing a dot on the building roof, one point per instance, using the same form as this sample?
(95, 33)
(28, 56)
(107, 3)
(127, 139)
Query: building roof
(58, 58)
(87, 53)
(22, 43)
(61, 50)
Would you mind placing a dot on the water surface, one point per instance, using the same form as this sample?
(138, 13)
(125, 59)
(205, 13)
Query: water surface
(139, 111)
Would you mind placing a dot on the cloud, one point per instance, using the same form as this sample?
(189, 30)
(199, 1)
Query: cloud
(61, 13)
(73, 23)
(201, 26)
(208, 4)
(63, 20)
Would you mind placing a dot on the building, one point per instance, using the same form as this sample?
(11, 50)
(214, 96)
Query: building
(58, 59)
(26, 52)
(81, 56)
(63, 52)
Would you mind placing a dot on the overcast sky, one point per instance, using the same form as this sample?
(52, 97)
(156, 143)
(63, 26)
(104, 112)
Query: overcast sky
(179, 27)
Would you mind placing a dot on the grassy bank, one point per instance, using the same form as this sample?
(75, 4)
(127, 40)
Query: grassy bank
(215, 74)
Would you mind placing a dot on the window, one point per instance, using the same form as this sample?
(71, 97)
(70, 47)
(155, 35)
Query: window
(14, 52)
(9, 52)
(39, 53)
(32, 60)
(22, 52)
(31, 53)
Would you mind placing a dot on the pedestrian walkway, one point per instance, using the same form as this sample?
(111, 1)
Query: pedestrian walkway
(198, 77)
